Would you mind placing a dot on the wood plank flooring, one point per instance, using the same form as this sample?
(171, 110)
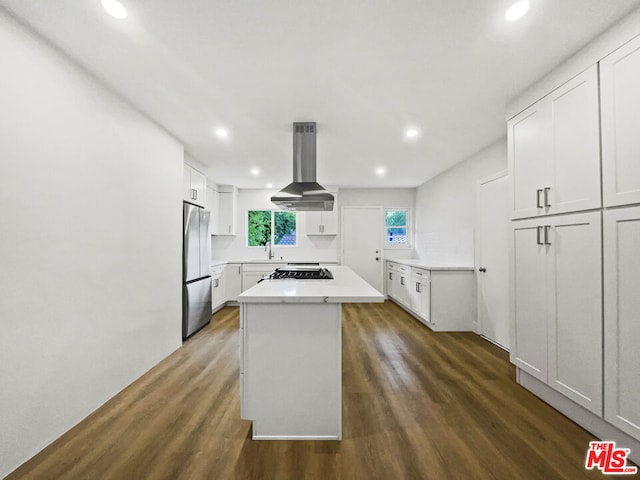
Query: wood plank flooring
(416, 405)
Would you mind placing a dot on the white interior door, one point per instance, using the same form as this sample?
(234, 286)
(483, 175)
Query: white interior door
(493, 261)
(362, 243)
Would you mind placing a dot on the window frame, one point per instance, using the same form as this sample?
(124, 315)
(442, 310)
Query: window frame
(272, 236)
(396, 246)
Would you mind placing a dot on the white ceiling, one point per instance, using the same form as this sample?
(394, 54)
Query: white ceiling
(363, 70)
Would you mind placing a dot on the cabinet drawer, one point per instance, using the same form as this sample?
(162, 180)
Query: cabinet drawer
(420, 274)
(404, 269)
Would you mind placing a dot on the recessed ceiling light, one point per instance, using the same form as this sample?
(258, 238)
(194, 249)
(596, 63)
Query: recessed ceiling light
(221, 132)
(412, 132)
(255, 171)
(114, 8)
(269, 185)
(380, 171)
(517, 11)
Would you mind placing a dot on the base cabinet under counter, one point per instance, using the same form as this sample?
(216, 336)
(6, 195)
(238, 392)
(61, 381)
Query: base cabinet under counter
(441, 298)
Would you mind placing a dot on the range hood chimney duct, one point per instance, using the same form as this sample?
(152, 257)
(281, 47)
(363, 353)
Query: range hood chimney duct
(304, 193)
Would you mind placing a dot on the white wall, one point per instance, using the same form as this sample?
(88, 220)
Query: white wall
(446, 208)
(90, 244)
(387, 198)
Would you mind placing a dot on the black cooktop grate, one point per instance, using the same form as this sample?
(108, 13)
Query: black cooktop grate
(301, 274)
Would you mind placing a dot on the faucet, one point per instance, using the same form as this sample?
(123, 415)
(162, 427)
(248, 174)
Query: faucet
(267, 247)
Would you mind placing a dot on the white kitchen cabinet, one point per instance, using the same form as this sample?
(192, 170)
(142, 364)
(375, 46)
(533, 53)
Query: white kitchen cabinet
(529, 330)
(554, 151)
(441, 298)
(403, 285)
(213, 205)
(527, 145)
(194, 185)
(420, 293)
(557, 329)
(621, 325)
(323, 223)
(233, 281)
(392, 280)
(218, 294)
(228, 198)
(620, 103)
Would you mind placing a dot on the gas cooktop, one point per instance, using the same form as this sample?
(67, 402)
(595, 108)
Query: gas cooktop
(300, 273)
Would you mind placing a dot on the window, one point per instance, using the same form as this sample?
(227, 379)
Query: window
(397, 227)
(277, 227)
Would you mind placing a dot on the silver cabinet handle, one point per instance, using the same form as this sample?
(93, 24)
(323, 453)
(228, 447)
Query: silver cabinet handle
(546, 234)
(195, 192)
(229, 228)
(401, 280)
(546, 197)
(538, 232)
(538, 192)
(418, 289)
(390, 276)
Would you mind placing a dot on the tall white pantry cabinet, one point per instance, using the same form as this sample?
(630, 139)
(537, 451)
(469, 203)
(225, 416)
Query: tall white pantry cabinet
(574, 164)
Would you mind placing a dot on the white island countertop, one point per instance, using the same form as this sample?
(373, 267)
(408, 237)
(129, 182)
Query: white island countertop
(346, 287)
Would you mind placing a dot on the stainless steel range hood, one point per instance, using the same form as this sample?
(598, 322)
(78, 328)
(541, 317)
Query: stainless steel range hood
(304, 193)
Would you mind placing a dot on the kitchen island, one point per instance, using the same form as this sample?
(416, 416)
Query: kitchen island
(291, 354)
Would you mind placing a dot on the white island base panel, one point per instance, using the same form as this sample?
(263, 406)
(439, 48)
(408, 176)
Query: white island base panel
(291, 370)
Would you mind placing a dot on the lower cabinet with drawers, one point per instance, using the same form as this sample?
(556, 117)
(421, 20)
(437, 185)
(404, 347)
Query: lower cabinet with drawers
(441, 298)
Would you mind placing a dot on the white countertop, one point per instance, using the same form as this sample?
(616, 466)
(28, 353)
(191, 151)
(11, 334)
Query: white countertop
(416, 262)
(346, 287)
(215, 263)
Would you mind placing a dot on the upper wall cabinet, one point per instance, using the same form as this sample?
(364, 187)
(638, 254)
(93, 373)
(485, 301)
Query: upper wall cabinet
(323, 223)
(213, 205)
(554, 151)
(194, 184)
(228, 198)
(620, 99)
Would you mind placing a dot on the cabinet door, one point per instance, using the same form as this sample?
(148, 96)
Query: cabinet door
(213, 206)
(233, 281)
(217, 290)
(198, 184)
(621, 319)
(574, 182)
(227, 213)
(414, 296)
(389, 281)
(574, 307)
(420, 293)
(330, 220)
(620, 103)
(528, 153)
(187, 192)
(529, 328)
(313, 223)
(404, 284)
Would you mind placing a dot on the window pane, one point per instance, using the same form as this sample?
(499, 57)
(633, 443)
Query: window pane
(284, 228)
(259, 231)
(397, 218)
(397, 235)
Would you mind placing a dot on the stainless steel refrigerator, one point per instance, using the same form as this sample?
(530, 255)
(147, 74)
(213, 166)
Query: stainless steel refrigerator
(196, 269)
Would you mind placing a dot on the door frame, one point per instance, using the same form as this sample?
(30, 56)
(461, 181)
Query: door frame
(477, 249)
(380, 236)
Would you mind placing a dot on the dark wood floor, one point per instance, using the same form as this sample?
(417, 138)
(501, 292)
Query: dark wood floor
(416, 405)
